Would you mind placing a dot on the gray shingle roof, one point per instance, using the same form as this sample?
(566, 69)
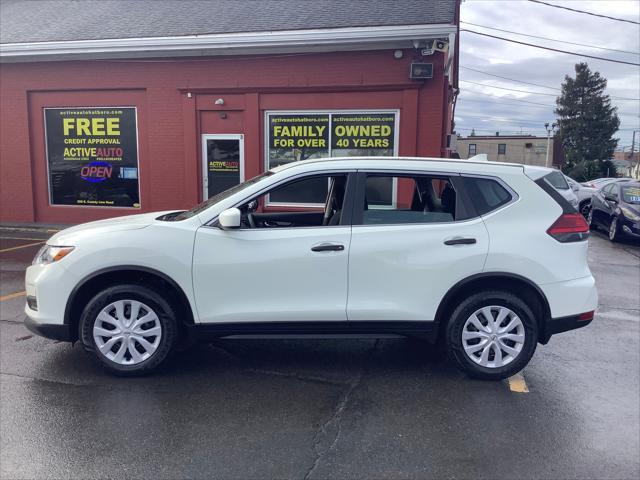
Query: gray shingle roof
(51, 20)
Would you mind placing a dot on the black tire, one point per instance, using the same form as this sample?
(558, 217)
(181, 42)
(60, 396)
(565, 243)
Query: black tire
(147, 296)
(483, 299)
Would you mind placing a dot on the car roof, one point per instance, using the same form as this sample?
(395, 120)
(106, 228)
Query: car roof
(442, 164)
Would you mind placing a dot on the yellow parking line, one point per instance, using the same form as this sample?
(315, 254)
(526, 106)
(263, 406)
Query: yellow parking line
(21, 246)
(12, 295)
(517, 384)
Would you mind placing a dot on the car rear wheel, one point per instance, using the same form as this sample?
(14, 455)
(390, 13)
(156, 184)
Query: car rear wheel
(129, 328)
(492, 335)
(614, 232)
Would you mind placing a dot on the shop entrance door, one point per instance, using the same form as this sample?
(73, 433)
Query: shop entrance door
(222, 163)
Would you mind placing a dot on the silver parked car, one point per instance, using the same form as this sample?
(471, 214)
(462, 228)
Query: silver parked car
(583, 194)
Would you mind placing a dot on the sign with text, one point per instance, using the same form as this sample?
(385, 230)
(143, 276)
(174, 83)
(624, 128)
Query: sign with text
(362, 131)
(92, 155)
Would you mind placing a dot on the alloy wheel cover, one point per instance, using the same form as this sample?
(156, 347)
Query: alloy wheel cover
(613, 227)
(493, 336)
(127, 332)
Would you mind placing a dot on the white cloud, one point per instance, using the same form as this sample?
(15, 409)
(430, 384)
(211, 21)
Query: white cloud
(489, 109)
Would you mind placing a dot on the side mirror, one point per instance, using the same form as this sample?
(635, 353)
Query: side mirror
(610, 198)
(229, 219)
(575, 187)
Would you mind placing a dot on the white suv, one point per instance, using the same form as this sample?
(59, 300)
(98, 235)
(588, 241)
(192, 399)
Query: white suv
(485, 258)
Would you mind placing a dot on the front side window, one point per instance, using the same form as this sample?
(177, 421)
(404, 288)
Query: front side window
(609, 189)
(258, 214)
(472, 149)
(420, 199)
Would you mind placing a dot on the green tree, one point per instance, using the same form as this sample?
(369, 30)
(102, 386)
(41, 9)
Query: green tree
(587, 123)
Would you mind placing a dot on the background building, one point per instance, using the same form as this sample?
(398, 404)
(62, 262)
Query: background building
(525, 149)
(116, 107)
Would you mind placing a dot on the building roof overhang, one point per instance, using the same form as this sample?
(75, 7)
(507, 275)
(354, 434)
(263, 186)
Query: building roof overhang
(250, 43)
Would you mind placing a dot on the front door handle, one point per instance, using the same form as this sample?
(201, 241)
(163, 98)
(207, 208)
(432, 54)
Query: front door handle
(460, 241)
(328, 247)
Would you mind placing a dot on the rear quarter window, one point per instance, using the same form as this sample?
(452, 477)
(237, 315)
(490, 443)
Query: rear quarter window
(486, 194)
(557, 180)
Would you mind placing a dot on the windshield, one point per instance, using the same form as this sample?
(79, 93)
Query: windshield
(557, 180)
(220, 196)
(631, 194)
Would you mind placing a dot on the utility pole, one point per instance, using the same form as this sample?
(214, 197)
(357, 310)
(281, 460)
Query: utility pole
(549, 129)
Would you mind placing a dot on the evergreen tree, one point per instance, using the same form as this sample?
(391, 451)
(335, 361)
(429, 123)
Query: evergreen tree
(587, 123)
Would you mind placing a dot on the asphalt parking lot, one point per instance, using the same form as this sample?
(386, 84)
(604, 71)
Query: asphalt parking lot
(325, 408)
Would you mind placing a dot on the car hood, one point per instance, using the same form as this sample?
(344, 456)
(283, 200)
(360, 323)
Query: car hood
(70, 236)
(634, 208)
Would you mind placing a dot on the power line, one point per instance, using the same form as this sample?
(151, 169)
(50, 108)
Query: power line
(492, 102)
(550, 39)
(550, 49)
(586, 13)
(511, 89)
(511, 99)
(536, 84)
(506, 98)
(510, 79)
(497, 118)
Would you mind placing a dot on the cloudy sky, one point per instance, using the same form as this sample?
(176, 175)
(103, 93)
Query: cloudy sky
(489, 109)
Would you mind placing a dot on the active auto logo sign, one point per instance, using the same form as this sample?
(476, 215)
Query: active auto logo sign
(96, 172)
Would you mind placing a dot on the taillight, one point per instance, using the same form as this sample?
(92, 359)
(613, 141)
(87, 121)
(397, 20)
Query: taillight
(586, 316)
(569, 227)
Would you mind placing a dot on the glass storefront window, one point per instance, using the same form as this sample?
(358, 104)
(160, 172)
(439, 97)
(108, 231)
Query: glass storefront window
(296, 136)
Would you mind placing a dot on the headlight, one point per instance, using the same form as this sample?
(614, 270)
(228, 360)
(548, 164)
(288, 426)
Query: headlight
(634, 217)
(49, 254)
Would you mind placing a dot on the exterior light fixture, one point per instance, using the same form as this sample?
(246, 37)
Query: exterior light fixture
(421, 71)
(219, 101)
(398, 54)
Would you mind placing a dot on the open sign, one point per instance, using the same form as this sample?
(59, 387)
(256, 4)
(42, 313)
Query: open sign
(96, 172)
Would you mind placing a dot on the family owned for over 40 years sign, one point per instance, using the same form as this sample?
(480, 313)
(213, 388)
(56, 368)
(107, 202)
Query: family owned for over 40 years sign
(92, 155)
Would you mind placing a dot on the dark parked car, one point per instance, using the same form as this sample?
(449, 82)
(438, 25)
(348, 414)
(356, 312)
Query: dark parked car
(616, 207)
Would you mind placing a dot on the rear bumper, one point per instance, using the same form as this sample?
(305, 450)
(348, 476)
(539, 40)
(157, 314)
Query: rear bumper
(562, 324)
(48, 330)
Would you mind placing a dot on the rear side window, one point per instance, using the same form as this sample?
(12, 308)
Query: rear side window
(414, 199)
(486, 194)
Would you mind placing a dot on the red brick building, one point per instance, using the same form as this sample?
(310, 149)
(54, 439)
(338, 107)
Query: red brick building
(118, 107)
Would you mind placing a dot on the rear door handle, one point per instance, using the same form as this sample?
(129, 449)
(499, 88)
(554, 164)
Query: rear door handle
(328, 247)
(460, 241)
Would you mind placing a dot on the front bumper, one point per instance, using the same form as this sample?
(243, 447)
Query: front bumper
(48, 330)
(632, 229)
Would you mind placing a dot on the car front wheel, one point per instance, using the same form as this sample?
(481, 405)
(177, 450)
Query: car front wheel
(492, 335)
(130, 329)
(614, 232)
